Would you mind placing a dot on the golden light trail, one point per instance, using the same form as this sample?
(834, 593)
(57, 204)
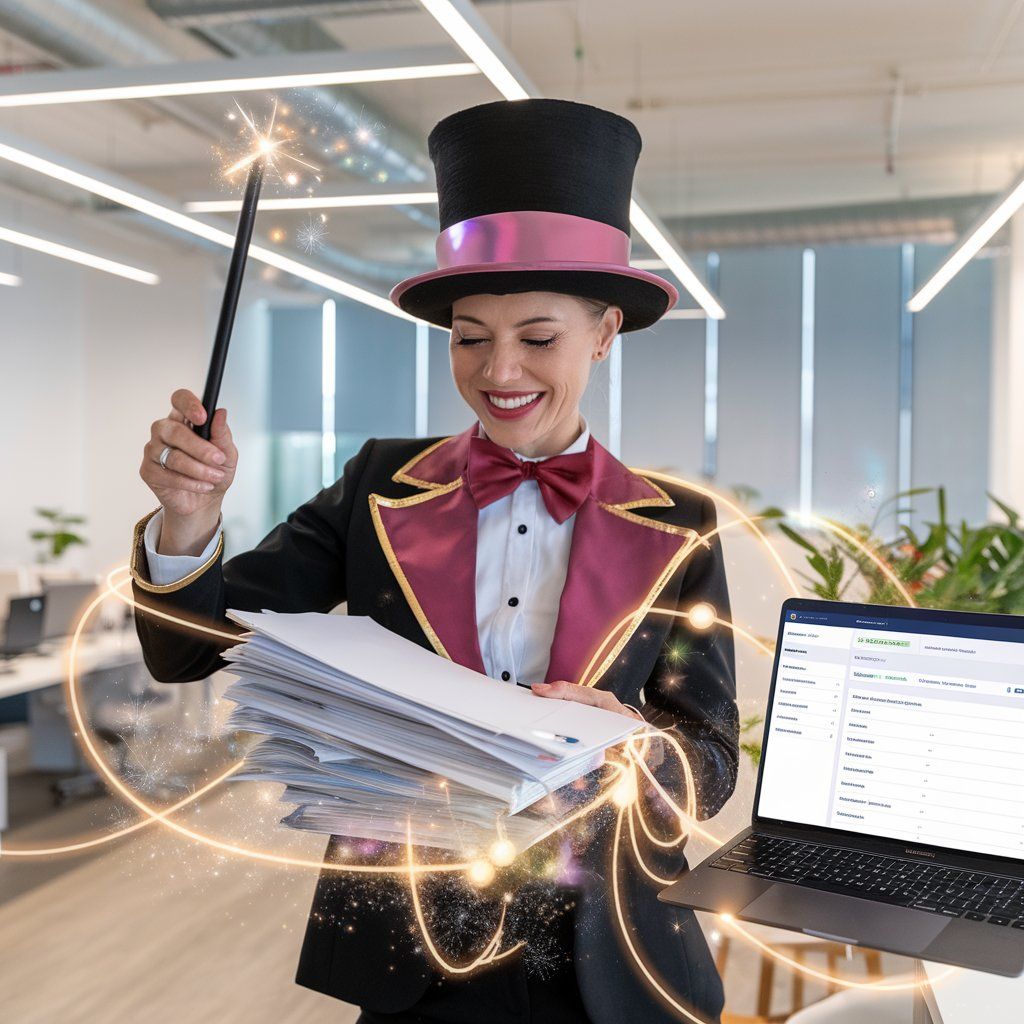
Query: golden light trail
(628, 940)
(832, 979)
(586, 677)
(851, 538)
(490, 952)
(734, 508)
(629, 803)
(82, 731)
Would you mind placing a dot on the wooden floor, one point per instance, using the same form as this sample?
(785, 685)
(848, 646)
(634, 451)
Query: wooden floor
(155, 928)
(158, 928)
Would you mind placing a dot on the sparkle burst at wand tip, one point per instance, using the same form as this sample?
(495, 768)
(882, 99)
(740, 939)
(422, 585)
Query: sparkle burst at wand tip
(267, 146)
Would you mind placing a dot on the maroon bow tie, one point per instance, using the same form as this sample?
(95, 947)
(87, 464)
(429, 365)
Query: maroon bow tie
(564, 480)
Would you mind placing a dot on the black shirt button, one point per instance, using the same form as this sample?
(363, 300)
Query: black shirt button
(506, 675)
(522, 527)
(513, 601)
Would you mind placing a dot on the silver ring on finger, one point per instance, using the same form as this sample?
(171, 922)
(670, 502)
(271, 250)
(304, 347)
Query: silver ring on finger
(163, 456)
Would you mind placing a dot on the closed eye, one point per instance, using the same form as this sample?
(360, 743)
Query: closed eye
(535, 342)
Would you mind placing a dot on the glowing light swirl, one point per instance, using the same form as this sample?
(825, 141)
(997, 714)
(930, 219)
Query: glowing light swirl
(412, 869)
(490, 952)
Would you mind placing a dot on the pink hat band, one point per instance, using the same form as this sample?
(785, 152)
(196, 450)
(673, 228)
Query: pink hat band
(531, 236)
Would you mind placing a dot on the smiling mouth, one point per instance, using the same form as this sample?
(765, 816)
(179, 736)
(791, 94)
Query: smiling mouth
(513, 401)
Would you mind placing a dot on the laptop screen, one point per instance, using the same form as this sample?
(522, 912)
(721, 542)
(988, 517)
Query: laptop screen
(900, 723)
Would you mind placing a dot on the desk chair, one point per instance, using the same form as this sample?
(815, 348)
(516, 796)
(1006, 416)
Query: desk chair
(121, 703)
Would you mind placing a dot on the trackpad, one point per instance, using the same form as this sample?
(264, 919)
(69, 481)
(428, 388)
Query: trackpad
(845, 918)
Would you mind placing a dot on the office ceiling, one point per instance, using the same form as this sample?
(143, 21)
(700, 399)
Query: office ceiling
(758, 118)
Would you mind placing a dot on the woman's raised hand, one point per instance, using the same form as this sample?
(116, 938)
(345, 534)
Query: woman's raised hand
(191, 484)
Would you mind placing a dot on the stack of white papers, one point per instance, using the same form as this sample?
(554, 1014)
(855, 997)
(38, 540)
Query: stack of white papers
(373, 735)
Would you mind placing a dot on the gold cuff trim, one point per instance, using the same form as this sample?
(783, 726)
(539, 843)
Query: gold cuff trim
(377, 500)
(135, 561)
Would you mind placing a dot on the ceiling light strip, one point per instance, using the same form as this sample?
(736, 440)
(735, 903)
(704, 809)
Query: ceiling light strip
(470, 33)
(10, 280)
(200, 78)
(655, 235)
(86, 259)
(973, 241)
(158, 211)
(317, 202)
(473, 35)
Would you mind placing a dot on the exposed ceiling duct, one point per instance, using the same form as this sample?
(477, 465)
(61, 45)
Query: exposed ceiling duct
(924, 221)
(197, 13)
(82, 33)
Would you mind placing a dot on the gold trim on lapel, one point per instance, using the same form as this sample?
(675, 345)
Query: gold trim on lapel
(389, 553)
(157, 588)
(402, 476)
(640, 614)
(663, 500)
(612, 480)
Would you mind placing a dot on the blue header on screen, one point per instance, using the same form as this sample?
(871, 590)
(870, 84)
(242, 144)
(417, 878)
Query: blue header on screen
(1008, 628)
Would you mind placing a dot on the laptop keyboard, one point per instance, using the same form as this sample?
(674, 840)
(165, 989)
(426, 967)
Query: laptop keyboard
(972, 895)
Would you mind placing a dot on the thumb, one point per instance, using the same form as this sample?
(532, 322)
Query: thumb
(220, 432)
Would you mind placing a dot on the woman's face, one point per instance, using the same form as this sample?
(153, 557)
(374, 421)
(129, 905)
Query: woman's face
(532, 351)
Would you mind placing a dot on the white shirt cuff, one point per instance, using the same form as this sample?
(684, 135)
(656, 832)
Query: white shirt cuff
(165, 569)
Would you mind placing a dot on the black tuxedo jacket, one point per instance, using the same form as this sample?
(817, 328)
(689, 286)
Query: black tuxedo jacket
(395, 537)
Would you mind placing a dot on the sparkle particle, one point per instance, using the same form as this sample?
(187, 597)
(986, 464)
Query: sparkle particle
(311, 234)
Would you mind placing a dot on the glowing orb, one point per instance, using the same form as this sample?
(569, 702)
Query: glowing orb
(702, 615)
(480, 873)
(502, 853)
(624, 793)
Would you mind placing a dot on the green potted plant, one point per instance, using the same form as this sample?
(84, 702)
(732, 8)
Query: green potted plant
(56, 538)
(941, 564)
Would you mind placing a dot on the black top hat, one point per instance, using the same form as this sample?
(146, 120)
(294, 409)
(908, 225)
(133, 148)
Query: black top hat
(534, 195)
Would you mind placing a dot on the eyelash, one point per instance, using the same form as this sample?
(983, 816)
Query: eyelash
(535, 342)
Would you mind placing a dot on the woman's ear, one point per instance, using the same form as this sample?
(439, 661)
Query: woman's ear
(611, 324)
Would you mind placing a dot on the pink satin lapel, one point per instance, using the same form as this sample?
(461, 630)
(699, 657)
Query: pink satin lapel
(613, 564)
(434, 542)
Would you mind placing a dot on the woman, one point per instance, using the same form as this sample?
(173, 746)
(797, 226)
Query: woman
(516, 548)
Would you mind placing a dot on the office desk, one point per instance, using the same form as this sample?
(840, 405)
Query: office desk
(29, 672)
(971, 996)
(101, 650)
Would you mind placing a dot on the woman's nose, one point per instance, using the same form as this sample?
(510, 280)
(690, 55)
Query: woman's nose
(502, 370)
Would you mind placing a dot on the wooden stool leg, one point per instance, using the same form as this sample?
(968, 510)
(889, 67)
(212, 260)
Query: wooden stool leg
(833, 962)
(873, 963)
(798, 981)
(764, 995)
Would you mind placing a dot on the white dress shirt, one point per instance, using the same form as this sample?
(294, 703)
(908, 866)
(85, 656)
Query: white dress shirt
(522, 556)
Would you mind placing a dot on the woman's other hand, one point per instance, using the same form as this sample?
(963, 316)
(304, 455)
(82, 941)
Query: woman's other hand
(564, 690)
(191, 485)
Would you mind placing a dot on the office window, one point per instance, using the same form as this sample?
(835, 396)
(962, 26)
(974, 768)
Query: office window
(374, 392)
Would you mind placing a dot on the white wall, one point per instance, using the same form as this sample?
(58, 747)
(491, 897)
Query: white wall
(88, 361)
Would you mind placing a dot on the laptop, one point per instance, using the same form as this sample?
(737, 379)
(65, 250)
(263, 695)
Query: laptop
(24, 627)
(65, 602)
(889, 809)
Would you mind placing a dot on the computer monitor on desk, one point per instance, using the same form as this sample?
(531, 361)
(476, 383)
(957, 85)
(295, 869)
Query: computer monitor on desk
(24, 627)
(65, 601)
